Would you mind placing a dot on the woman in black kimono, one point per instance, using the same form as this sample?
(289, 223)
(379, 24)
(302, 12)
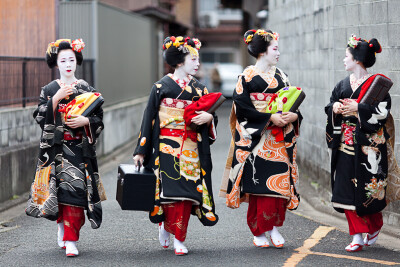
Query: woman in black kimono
(178, 154)
(357, 135)
(67, 150)
(262, 158)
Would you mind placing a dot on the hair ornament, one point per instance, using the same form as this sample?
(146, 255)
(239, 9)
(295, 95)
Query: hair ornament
(249, 38)
(268, 35)
(197, 43)
(78, 45)
(167, 45)
(353, 41)
(183, 46)
(178, 41)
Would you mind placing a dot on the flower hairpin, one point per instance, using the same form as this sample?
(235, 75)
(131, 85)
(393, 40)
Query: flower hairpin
(265, 34)
(353, 41)
(182, 45)
(197, 43)
(78, 45)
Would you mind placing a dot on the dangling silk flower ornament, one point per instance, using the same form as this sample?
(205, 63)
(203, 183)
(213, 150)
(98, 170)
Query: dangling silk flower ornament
(265, 34)
(51, 48)
(78, 45)
(276, 36)
(197, 43)
(353, 41)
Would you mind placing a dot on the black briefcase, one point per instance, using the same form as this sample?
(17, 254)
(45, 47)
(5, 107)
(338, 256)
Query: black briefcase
(135, 189)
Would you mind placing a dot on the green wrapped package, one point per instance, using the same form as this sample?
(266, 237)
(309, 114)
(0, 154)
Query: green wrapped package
(286, 99)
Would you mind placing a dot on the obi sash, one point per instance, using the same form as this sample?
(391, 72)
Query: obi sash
(260, 102)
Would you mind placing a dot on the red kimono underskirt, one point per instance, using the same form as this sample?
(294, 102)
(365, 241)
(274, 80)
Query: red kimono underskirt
(264, 213)
(363, 224)
(73, 218)
(177, 216)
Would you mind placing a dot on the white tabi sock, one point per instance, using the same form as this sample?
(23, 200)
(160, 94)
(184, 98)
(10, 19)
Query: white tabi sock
(60, 235)
(261, 241)
(358, 239)
(180, 248)
(163, 236)
(276, 238)
(71, 249)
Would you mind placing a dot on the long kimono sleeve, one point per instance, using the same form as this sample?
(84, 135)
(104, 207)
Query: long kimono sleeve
(44, 108)
(253, 121)
(335, 96)
(96, 125)
(373, 117)
(333, 125)
(212, 128)
(296, 123)
(144, 145)
(45, 117)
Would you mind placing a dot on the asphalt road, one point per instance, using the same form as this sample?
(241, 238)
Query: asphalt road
(127, 238)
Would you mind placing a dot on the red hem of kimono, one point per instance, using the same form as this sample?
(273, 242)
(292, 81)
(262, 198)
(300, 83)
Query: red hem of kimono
(264, 213)
(177, 216)
(363, 224)
(73, 219)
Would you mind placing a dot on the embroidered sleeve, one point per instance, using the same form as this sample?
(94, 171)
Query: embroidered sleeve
(40, 112)
(373, 118)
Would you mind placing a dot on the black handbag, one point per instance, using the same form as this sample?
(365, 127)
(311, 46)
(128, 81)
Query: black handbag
(135, 189)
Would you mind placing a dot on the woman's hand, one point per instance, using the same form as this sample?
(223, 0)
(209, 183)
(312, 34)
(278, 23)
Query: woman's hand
(138, 158)
(277, 120)
(63, 92)
(337, 108)
(289, 117)
(77, 122)
(349, 106)
(203, 117)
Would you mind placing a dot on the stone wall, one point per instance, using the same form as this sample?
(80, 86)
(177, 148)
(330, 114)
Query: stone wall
(314, 36)
(19, 141)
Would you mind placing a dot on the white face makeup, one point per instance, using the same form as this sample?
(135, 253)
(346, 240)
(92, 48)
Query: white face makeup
(349, 63)
(66, 62)
(191, 65)
(271, 57)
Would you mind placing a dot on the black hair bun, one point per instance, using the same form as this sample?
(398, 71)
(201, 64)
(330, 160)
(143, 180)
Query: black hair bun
(375, 45)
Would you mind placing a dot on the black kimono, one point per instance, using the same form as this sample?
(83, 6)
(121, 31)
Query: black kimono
(182, 165)
(266, 164)
(75, 177)
(359, 162)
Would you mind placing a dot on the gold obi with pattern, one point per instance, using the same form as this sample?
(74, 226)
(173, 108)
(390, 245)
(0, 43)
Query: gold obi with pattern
(172, 127)
(261, 100)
